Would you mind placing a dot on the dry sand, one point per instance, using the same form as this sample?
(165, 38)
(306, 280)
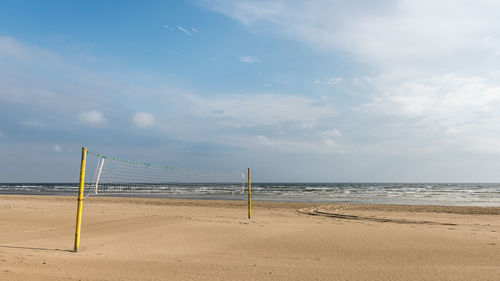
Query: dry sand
(166, 239)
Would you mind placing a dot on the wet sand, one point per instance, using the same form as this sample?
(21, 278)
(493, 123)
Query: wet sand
(174, 239)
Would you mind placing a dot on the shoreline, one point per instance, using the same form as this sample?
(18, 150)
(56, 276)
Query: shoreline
(480, 210)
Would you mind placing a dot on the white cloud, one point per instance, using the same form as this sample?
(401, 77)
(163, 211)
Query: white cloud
(168, 27)
(330, 81)
(423, 34)
(57, 148)
(144, 120)
(249, 59)
(261, 110)
(92, 117)
(387, 33)
(13, 50)
(183, 30)
(194, 29)
(32, 123)
(10, 47)
(448, 105)
(334, 133)
(427, 77)
(321, 147)
(330, 142)
(433, 64)
(56, 89)
(334, 81)
(264, 140)
(230, 119)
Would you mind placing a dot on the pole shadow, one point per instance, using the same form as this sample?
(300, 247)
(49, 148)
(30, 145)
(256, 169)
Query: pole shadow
(34, 248)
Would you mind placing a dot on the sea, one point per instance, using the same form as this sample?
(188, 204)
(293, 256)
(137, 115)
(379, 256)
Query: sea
(450, 194)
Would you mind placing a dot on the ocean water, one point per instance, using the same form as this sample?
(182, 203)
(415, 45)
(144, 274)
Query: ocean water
(457, 194)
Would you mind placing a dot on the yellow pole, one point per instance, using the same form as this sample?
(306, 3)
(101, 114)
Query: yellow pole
(80, 199)
(249, 195)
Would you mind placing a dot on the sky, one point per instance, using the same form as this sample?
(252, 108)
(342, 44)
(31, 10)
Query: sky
(306, 91)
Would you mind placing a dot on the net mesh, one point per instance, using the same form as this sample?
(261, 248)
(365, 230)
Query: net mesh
(117, 176)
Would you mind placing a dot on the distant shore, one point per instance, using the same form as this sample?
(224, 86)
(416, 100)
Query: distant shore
(184, 239)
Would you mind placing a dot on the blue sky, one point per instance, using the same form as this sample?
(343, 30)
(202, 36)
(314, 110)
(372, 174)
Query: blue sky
(298, 90)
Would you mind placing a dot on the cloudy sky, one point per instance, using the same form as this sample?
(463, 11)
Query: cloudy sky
(298, 90)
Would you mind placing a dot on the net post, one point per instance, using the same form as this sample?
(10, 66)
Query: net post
(249, 195)
(80, 199)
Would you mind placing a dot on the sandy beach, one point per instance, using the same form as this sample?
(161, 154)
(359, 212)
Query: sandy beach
(173, 239)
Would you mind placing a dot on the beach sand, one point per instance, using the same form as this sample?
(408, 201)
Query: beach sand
(173, 239)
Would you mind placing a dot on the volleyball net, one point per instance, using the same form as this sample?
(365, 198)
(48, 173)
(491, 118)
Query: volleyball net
(118, 176)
